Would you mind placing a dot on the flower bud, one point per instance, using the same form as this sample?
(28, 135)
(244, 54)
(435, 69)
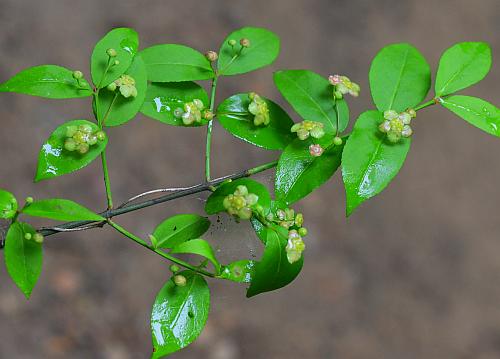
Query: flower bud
(71, 130)
(174, 268)
(111, 52)
(111, 86)
(338, 95)
(70, 145)
(211, 56)
(208, 115)
(316, 150)
(83, 148)
(337, 141)
(232, 42)
(116, 62)
(101, 136)
(38, 238)
(180, 280)
(77, 75)
(29, 200)
(303, 231)
(245, 42)
(299, 219)
(412, 112)
(28, 236)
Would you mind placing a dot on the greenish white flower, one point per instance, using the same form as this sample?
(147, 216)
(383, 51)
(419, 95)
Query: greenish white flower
(258, 107)
(307, 128)
(241, 203)
(192, 112)
(126, 85)
(81, 138)
(397, 125)
(343, 85)
(295, 246)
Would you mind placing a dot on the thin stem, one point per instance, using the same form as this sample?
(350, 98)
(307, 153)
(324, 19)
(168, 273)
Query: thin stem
(427, 104)
(209, 130)
(103, 121)
(157, 251)
(207, 186)
(107, 183)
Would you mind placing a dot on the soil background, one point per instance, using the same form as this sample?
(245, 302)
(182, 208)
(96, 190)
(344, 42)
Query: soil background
(414, 273)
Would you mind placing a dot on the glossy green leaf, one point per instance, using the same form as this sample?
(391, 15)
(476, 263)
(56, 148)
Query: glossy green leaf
(199, 247)
(179, 314)
(54, 160)
(274, 271)
(461, 66)
(311, 96)
(49, 81)
(234, 116)
(162, 99)
(124, 109)
(369, 160)
(264, 49)
(240, 271)
(23, 258)
(298, 173)
(476, 111)
(61, 210)
(400, 78)
(8, 204)
(174, 63)
(214, 202)
(180, 228)
(126, 43)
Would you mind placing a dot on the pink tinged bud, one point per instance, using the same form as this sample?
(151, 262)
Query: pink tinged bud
(334, 79)
(315, 150)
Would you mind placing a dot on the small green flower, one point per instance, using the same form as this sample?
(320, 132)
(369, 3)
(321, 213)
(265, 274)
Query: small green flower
(306, 128)
(397, 125)
(258, 107)
(77, 75)
(343, 85)
(192, 112)
(241, 203)
(295, 246)
(126, 85)
(81, 138)
(111, 52)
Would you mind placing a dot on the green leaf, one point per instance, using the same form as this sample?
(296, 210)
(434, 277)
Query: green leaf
(240, 271)
(259, 228)
(400, 78)
(61, 210)
(174, 63)
(179, 314)
(214, 202)
(54, 160)
(49, 81)
(8, 204)
(369, 160)
(23, 257)
(124, 109)
(126, 42)
(234, 116)
(264, 49)
(162, 99)
(274, 271)
(461, 66)
(199, 247)
(180, 228)
(298, 173)
(476, 111)
(311, 96)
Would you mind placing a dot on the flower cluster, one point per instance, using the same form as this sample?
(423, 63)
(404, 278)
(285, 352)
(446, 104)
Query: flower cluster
(80, 138)
(397, 125)
(287, 218)
(241, 203)
(258, 107)
(126, 85)
(305, 129)
(191, 113)
(343, 85)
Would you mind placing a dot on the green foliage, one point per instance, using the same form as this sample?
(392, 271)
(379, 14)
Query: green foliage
(158, 82)
(173, 63)
(8, 204)
(49, 81)
(263, 50)
(60, 210)
(23, 257)
(234, 116)
(163, 99)
(298, 173)
(179, 314)
(54, 160)
(369, 161)
(273, 271)
(125, 42)
(476, 111)
(115, 110)
(311, 96)
(400, 78)
(461, 66)
(180, 228)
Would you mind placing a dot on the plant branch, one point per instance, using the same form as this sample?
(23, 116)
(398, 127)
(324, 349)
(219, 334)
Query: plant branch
(209, 129)
(107, 183)
(157, 251)
(165, 198)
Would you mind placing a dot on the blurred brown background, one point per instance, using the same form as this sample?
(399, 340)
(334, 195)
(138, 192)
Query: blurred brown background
(414, 273)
